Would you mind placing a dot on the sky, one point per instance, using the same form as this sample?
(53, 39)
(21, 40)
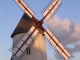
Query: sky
(65, 24)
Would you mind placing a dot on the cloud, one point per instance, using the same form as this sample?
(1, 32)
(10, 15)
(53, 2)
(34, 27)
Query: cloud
(76, 48)
(67, 31)
(58, 56)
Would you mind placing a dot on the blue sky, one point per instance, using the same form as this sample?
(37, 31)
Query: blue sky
(10, 14)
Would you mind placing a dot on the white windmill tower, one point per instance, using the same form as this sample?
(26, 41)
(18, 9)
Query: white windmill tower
(28, 37)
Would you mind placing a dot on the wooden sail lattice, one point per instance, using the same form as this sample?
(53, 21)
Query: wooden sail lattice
(26, 39)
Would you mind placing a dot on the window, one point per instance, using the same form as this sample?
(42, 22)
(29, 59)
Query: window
(28, 50)
(11, 58)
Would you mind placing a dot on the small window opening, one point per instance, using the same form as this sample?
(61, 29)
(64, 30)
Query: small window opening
(11, 58)
(28, 50)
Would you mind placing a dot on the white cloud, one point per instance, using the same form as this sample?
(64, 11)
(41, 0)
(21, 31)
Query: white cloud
(67, 31)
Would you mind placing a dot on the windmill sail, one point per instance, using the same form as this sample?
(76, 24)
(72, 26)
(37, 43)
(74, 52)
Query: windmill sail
(51, 9)
(25, 8)
(23, 43)
(54, 41)
(26, 39)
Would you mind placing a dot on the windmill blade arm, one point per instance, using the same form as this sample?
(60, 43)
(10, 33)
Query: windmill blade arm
(24, 43)
(51, 9)
(25, 8)
(54, 41)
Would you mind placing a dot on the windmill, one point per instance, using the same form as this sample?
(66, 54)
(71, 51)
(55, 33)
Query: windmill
(26, 40)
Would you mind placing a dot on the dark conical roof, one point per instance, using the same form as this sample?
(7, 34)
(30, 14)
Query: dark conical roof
(24, 25)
